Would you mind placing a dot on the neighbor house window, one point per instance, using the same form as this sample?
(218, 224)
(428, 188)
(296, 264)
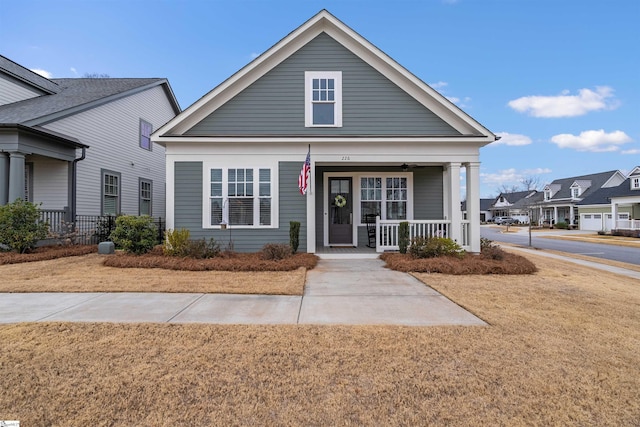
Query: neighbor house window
(575, 192)
(547, 194)
(145, 134)
(635, 183)
(110, 193)
(323, 99)
(145, 197)
(240, 197)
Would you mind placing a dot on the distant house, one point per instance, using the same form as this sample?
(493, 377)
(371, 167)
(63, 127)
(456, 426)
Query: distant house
(485, 209)
(382, 144)
(562, 196)
(622, 202)
(82, 146)
(518, 205)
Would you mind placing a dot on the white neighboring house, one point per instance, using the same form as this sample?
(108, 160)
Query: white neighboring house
(82, 146)
(622, 202)
(516, 205)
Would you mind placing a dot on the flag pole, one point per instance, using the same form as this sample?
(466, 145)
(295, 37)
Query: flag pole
(310, 174)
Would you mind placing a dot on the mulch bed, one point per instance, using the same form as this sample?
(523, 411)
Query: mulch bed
(46, 253)
(469, 264)
(224, 262)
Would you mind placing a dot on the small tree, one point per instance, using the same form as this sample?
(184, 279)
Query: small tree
(20, 226)
(134, 234)
(294, 235)
(403, 236)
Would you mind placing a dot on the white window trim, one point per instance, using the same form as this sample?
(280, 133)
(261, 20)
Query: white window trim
(355, 188)
(206, 195)
(308, 100)
(635, 183)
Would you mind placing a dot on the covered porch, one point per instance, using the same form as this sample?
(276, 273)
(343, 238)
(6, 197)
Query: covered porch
(360, 206)
(631, 205)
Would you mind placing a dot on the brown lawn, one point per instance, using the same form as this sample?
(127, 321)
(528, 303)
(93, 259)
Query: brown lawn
(88, 274)
(562, 348)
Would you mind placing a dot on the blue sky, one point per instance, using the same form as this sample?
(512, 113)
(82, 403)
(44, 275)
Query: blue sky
(559, 80)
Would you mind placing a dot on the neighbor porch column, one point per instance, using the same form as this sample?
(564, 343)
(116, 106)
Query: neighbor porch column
(473, 205)
(4, 179)
(570, 214)
(614, 217)
(16, 176)
(555, 215)
(455, 212)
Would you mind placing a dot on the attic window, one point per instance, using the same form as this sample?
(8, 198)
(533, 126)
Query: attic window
(323, 98)
(547, 194)
(575, 192)
(635, 183)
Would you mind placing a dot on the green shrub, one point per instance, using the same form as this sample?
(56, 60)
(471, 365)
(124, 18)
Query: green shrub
(562, 225)
(135, 234)
(294, 236)
(201, 249)
(20, 226)
(430, 247)
(176, 242)
(403, 236)
(276, 251)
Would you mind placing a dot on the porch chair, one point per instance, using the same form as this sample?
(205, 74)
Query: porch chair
(370, 220)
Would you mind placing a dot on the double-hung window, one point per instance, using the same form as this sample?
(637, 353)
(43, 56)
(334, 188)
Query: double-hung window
(635, 183)
(145, 197)
(145, 134)
(110, 192)
(240, 197)
(323, 98)
(384, 196)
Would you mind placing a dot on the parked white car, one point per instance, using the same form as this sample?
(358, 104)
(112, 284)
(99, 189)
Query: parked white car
(505, 220)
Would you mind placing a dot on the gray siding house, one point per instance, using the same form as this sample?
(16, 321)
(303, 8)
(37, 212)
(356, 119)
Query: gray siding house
(383, 147)
(83, 145)
(562, 196)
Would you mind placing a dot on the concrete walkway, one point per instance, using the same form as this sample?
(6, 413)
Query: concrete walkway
(349, 292)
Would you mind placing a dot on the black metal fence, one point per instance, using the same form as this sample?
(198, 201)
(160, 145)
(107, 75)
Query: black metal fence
(87, 229)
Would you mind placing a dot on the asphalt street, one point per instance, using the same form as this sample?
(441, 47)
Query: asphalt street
(626, 254)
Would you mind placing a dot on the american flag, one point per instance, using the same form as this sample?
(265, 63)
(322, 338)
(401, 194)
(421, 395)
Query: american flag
(303, 179)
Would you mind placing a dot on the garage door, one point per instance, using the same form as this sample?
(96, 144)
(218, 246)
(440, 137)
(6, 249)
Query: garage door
(591, 222)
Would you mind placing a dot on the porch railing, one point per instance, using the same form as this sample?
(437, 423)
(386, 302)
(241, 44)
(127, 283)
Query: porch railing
(87, 229)
(628, 224)
(387, 232)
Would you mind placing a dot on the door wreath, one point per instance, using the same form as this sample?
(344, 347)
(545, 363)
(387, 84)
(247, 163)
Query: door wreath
(340, 201)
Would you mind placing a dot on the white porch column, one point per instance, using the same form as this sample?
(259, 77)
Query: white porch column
(16, 176)
(311, 210)
(555, 215)
(570, 214)
(614, 217)
(446, 189)
(454, 211)
(473, 205)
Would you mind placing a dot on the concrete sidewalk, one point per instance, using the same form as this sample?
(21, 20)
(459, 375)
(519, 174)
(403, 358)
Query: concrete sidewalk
(349, 292)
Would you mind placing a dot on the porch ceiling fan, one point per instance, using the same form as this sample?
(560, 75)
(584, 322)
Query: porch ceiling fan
(405, 167)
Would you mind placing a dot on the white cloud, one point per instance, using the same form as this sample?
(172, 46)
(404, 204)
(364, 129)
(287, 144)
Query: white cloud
(566, 105)
(254, 55)
(462, 103)
(511, 176)
(74, 71)
(632, 151)
(438, 85)
(513, 139)
(592, 140)
(43, 73)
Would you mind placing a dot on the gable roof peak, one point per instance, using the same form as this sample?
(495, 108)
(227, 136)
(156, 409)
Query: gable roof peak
(325, 22)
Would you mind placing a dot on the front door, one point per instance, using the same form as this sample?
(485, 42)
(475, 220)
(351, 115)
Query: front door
(340, 212)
